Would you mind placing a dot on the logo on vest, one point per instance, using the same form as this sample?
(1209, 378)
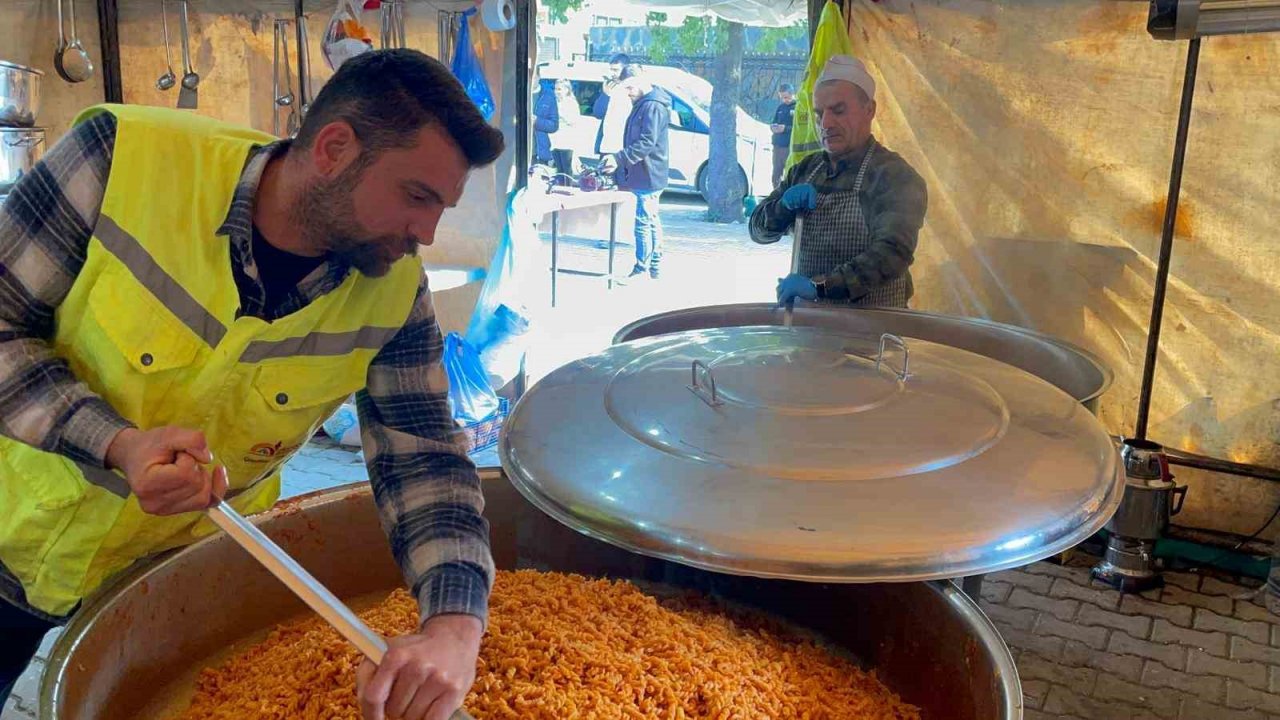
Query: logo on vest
(263, 453)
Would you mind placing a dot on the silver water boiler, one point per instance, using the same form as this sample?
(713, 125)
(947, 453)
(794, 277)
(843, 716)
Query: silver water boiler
(1151, 497)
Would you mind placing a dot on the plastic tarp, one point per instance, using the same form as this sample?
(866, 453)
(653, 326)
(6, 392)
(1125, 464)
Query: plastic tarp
(1045, 131)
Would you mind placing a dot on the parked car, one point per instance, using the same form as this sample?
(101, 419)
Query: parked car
(690, 124)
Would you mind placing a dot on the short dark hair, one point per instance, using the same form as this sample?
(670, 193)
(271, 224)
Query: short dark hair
(388, 96)
(620, 59)
(787, 88)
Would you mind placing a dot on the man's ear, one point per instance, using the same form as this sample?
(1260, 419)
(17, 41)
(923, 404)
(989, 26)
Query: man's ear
(334, 149)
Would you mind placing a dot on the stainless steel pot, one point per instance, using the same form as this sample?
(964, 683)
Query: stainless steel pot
(20, 149)
(1071, 369)
(19, 95)
(927, 641)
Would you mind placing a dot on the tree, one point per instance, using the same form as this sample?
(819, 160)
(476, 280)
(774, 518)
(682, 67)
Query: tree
(726, 185)
(558, 10)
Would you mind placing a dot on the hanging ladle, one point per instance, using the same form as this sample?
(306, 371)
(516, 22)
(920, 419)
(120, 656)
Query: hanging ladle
(62, 46)
(168, 79)
(76, 63)
(188, 97)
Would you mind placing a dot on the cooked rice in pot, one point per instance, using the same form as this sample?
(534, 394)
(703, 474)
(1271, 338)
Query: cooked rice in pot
(566, 646)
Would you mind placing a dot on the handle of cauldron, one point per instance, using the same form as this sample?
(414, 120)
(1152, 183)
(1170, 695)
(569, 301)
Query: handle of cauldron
(795, 264)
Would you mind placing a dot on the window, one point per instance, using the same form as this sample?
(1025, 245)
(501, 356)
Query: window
(682, 116)
(586, 91)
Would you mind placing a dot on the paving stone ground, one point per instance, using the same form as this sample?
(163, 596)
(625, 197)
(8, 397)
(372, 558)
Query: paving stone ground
(1203, 648)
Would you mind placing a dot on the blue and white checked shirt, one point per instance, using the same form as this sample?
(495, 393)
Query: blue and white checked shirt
(427, 489)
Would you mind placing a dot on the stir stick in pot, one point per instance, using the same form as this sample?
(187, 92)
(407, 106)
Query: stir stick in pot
(795, 265)
(301, 582)
(304, 585)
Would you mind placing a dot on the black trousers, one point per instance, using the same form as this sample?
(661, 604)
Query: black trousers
(20, 637)
(780, 155)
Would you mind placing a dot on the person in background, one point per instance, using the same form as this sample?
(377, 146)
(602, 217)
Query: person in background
(562, 140)
(642, 167)
(141, 342)
(546, 120)
(783, 119)
(609, 136)
(863, 204)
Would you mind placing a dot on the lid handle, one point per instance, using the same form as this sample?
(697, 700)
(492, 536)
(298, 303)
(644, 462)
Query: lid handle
(708, 397)
(885, 339)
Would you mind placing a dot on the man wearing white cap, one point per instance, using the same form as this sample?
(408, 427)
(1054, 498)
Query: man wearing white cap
(862, 204)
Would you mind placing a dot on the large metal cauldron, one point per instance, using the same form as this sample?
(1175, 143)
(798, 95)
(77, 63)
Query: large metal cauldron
(928, 641)
(1071, 369)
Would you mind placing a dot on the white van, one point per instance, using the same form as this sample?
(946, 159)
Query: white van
(690, 124)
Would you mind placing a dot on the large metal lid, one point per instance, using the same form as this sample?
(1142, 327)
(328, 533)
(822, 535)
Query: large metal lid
(809, 454)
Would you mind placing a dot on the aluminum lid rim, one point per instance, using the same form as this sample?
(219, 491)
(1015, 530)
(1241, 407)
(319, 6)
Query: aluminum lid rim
(1039, 552)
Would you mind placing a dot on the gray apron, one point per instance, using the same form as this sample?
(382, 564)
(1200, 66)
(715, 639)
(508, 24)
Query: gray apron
(836, 232)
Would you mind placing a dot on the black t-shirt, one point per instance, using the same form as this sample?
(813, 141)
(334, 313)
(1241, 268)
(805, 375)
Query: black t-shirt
(280, 271)
(784, 115)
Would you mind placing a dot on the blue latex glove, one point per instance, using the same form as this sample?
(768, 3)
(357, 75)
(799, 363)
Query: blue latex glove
(800, 197)
(795, 286)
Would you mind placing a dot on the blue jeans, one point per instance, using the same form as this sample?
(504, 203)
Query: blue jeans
(648, 229)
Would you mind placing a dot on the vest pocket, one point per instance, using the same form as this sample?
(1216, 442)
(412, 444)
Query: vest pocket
(139, 347)
(289, 401)
(41, 496)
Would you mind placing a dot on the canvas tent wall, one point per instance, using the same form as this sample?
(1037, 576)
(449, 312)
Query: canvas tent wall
(1045, 131)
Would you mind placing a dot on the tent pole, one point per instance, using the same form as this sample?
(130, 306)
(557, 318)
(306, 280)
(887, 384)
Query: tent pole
(1166, 240)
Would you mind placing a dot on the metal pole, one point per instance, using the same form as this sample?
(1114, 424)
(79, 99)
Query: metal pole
(304, 65)
(1166, 240)
(1227, 467)
(524, 27)
(109, 39)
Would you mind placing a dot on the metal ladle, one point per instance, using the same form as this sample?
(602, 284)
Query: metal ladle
(62, 46)
(188, 98)
(76, 63)
(284, 98)
(168, 79)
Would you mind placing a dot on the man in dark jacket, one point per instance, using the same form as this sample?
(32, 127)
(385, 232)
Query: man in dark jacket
(546, 120)
(642, 167)
(783, 119)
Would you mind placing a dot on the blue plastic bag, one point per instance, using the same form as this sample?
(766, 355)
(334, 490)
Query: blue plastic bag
(469, 392)
(467, 68)
(499, 328)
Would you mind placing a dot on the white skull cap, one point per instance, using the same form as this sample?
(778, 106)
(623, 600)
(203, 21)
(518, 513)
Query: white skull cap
(849, 69)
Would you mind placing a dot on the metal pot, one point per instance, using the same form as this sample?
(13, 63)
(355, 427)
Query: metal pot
(20, 149)
(19, 95)
(1072, 369)
(927, 641)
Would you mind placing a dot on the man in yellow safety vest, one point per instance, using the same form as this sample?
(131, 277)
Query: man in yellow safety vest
(175, 290)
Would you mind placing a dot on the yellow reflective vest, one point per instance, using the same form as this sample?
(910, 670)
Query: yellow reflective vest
(150, 325)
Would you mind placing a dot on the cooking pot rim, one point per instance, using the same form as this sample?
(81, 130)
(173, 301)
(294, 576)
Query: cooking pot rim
(22, 68)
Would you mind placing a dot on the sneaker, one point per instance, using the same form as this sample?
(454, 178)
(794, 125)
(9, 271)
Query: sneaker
(653, 273)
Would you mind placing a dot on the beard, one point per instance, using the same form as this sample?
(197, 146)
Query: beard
(325, 215)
